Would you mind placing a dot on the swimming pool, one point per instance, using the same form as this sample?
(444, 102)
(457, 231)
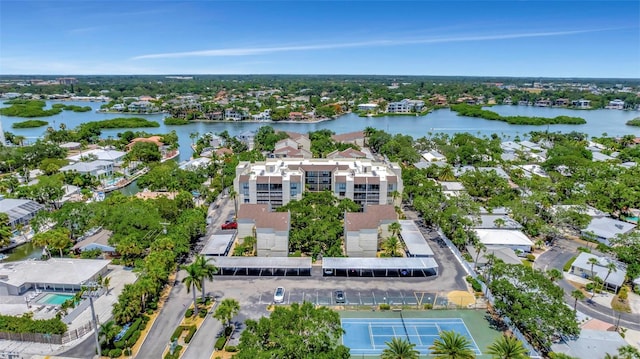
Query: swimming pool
(55, 299)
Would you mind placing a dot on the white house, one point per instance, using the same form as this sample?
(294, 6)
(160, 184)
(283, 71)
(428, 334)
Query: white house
(405, 106)
(513, 239)
(616, 104)
(367, 106)
(98, 168)
(603, 229)
(100, 154)
(20, 211)
(434, 156)
(615, 277)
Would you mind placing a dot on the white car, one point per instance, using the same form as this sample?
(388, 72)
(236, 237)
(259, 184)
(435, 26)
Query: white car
(278, 296)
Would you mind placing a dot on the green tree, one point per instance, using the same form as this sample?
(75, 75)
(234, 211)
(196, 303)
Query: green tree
(206, 269)
(399, 348)
(145, 152)
(227, 309)
(507, 347)
(628, 352)
(395, 228)
(5, 230)
(298, 331)
(193, 281)
(57, 238)
(452, 345)
(611, 268)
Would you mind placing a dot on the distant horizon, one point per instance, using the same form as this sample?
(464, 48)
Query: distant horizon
(489, 38)
(3, 76)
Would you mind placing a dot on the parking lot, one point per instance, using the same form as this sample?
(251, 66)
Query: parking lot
(355, 297)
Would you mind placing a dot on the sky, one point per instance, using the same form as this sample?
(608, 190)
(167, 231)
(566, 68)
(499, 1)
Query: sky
(561, 38)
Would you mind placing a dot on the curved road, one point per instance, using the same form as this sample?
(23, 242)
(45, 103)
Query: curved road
(556, 257)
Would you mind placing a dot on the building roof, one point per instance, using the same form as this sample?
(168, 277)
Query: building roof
(70, 145)
(348, 153)
(372, 217)
(218, 244)
(588, 210)
(616, 278)
(452, 186)
(590, 344)
(415, 242)
(86, 167)
(350, 136)
(101, 237)
(488, 221)
(503, 237)
(262, 217)
(18, 208)
(379, 263)
(605, 227)
(599, 156)
(101, 154)
(146, 194)
(53, 271)
(505, 254)
(263, 262)
(153, 139)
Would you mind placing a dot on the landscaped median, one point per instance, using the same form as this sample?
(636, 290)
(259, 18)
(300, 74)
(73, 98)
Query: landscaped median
(187, 329)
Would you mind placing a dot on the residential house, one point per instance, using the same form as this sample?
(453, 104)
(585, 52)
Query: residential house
(297, 116)
(348, 153)
(603, 229)
(98, 240)
(140, 106)
(505, 254)
(561, 102)
(452, 189)
(367, 107)
(616, 104)
(364, 230)
(434, 156)
(270, 229)
(514, 239)
(583, 268)
(99, 154)
(356, 138)
(583, 104)
(20, 211)
(494, 221)
(234, 115)
(97, 168)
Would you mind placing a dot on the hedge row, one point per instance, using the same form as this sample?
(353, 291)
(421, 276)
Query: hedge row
(176, 353)
(26, 324)
(192, 331)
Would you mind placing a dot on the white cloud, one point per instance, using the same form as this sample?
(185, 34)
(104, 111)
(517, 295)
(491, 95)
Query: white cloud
(395, 42)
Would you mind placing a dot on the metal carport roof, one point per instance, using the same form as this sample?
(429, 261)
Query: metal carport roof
(421, 263)
(263, 262)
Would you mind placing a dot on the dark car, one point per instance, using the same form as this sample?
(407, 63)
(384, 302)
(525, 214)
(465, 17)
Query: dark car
(230, 225)
(339, 295)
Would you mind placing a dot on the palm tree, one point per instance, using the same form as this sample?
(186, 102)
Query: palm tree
(611, 267)
(108, 331)
(577, 295)
(446, 174)
(105, 283)
(227, 309)
(507, 347)
(593, 261)
(452, 345)
(399, 348)
(395, 228)
(193, 281)
(392, 246)
(628, 352)
(480, 248)
(207, 269)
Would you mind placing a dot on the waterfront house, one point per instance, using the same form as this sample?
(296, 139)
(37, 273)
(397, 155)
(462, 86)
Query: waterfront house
(581, 267)
(100, 154)
(582, 104)
(405, 106)
(97, 168)
(561, 102)
(356, 138)
(20, 211)
(234, 115)
(367, 106)
(616, 104)
(297, 116)
(98, 240)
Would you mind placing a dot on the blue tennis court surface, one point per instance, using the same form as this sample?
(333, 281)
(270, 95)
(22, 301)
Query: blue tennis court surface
(368, 336)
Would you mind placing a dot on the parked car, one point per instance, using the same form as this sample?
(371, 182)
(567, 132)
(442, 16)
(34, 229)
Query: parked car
(278, 296)
(339, 296)
(230, 225)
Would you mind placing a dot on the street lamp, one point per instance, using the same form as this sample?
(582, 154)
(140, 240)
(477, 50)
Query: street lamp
(90, 290)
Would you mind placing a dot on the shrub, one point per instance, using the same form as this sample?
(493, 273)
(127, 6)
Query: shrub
(567, 266)
(188, 313)
(220, 343)
(178, 332)
(231, 348)
(134, 338)
(385, 306)
(115, 353)
(428, 306)
(127, 352)
(192, 331)
(624, 293)
(584, 249)
(531, 257)
(119, 344)
(202, 313)
(467, 257)
(176, 353)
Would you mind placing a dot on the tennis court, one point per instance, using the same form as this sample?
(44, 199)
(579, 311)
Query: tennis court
(367, 336)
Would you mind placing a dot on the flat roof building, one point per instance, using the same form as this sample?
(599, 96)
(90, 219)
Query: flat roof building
(218, 244)
(276, 182)
(413, 239)
(513, 239)
(20, 211)
(56, 274)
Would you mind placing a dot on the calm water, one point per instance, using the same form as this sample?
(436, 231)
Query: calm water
(24, 251)
(611, 122)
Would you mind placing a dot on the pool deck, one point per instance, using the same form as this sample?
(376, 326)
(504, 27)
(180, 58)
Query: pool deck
(474, 319)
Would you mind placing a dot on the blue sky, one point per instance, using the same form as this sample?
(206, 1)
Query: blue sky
(468, 38)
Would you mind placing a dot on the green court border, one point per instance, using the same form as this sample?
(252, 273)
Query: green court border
(475, 320)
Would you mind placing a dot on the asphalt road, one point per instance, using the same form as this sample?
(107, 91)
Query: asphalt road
(556, 257)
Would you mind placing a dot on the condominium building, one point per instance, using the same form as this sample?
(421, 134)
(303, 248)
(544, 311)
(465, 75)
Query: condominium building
(277, 181)
(405, 106)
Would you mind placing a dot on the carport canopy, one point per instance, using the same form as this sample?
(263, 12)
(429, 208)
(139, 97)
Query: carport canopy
(237, 265)
(380, 264)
